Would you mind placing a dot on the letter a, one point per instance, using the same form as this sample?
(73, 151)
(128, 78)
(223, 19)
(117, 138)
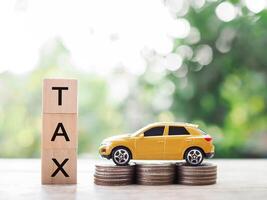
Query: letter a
(64, 133)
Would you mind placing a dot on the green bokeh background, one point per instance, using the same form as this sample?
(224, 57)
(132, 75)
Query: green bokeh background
(227, 97)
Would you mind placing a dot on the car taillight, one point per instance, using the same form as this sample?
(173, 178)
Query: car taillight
(208, 139)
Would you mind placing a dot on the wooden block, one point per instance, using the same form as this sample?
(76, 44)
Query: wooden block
(59, 131)
(59, 166)
(60, 96)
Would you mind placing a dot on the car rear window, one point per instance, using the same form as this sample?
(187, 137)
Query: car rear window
(202, 132)
(178, 130)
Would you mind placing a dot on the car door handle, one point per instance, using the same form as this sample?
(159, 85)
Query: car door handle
(160, 141)
(188, 140)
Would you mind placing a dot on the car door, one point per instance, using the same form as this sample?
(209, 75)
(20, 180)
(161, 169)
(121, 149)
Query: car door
(150, 144)
(177, 140)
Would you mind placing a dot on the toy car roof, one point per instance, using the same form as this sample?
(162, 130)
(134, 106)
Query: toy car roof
(174, 124)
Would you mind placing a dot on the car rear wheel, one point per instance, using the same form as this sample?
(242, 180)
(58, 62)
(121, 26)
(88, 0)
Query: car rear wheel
(121, 156)
(194, 156)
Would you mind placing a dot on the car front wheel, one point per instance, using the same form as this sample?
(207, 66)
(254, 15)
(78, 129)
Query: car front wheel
(194, 156)
(121, 156)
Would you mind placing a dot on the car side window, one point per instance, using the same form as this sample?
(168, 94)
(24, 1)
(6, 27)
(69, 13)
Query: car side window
(178, 130)
(155, 131)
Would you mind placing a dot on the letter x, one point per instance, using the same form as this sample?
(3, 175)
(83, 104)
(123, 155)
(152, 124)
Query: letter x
(60, 167)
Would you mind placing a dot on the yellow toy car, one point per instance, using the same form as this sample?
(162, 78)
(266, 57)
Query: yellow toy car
(160, 141)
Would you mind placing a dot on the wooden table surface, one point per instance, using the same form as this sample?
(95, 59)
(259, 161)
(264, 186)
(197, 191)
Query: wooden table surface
(237, 179)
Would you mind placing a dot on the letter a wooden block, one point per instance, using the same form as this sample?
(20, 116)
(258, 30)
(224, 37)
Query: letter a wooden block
(59, 132)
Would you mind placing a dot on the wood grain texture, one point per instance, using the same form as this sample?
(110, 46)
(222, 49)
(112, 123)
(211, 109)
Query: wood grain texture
(237, 180)
(59, 132)
(49, 166)
(62, 128)
(51, 96)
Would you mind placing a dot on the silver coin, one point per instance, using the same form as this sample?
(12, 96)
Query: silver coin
(197, 182)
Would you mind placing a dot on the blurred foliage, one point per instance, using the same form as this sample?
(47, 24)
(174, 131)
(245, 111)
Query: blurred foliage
(21, 100)
(226, 96)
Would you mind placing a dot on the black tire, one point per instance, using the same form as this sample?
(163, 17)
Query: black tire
(194, 156)
(121, 156)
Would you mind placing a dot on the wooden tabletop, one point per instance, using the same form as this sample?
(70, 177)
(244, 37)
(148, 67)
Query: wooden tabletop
(237, 179)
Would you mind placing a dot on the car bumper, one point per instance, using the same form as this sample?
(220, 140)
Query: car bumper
(209, 155)
(105, 151)
(106, 156)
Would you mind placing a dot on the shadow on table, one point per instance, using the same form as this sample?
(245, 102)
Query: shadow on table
(58, 191)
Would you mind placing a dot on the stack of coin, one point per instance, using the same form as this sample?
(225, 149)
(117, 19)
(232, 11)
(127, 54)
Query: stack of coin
(110, 175)
(155, 174)
(204, 174)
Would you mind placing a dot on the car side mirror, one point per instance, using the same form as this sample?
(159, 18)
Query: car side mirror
(141, 135)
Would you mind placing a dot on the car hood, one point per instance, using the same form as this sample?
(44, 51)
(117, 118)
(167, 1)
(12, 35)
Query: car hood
(117, 137)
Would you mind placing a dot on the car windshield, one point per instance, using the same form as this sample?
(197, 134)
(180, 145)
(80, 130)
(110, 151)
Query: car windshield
(139, 131)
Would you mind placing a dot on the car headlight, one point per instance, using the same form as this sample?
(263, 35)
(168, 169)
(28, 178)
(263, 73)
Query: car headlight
(106, 143)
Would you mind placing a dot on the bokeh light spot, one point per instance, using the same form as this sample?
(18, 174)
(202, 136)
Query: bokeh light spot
(173, 61)
(255, 6)
(226, 11)
(203, 54)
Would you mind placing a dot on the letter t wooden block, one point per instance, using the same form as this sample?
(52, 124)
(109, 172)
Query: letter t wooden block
(59, 132)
